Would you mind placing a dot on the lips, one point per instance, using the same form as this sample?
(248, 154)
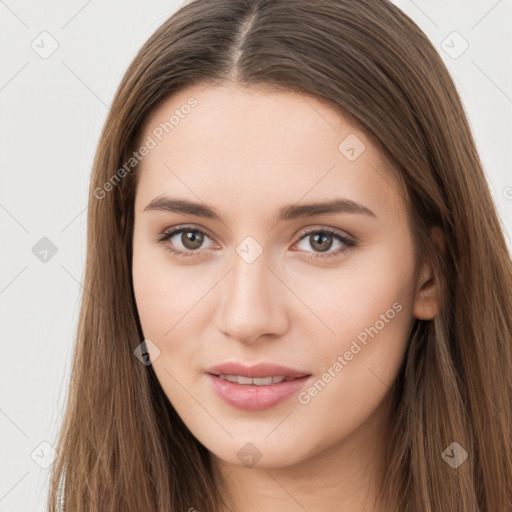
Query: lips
(257, 387)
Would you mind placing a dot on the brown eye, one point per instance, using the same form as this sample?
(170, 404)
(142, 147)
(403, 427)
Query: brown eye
(322, 240)
(184, 241)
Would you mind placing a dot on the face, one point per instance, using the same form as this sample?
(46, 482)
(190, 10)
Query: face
(240, 281)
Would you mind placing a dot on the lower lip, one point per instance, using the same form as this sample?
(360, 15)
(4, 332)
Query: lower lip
(255, 398)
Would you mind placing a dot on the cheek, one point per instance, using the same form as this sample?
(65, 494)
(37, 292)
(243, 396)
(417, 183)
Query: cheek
(367, 310)
(150, 280)
(354, 297)
(165, 300)
(170, 302)
(164, 293)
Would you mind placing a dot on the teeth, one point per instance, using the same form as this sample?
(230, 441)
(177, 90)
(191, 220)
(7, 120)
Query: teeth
(261, 381)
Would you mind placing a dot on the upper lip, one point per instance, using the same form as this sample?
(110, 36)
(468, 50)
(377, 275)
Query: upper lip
(260, 370)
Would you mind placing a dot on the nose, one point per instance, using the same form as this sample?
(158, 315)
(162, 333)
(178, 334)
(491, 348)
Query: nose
(252, 301)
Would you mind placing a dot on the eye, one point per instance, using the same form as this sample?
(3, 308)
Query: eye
(190, 239)
(322, 240)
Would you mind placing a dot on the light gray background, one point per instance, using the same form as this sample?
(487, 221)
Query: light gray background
(52, 112)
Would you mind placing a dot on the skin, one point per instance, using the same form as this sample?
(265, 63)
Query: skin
(248, 152)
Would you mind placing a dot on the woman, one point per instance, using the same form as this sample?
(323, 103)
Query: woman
(298, 294)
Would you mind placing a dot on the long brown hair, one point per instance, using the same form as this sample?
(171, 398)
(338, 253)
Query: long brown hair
(122, 445)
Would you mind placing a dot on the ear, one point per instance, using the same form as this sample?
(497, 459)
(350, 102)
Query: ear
(426, 302)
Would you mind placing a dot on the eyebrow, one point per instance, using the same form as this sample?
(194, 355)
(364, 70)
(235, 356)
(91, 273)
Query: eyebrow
(287, 213)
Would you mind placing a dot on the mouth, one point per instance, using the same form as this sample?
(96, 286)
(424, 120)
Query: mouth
(255, 388)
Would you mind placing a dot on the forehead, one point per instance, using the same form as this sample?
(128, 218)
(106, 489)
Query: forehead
(253, 147)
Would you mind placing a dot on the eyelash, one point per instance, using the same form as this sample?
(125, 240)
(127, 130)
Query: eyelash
(349, 244)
